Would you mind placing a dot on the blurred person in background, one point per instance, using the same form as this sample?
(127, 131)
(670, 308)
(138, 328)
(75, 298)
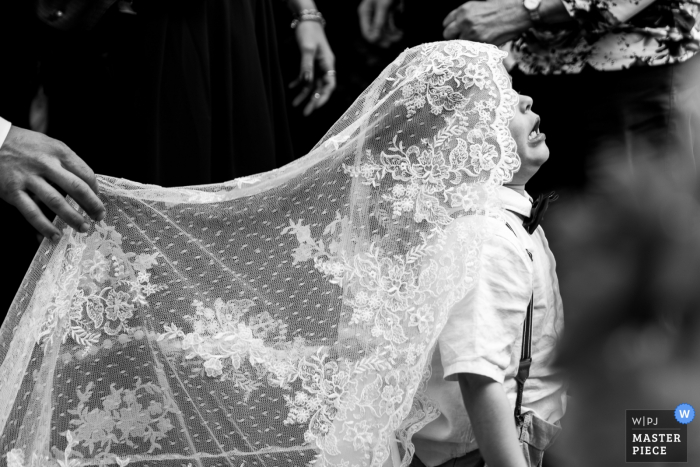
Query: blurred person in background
(180, 92)
(164, 92)
(360, 65)
(618, 64)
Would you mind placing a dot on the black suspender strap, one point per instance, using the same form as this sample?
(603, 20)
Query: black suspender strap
(526, 351)
(525, 358)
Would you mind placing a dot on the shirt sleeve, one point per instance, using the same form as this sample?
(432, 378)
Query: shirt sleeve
(601, 15)
(483, 327)
(4, 130)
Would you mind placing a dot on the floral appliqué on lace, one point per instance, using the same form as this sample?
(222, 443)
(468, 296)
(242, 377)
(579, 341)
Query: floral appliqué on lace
(436, 79)
(105, 284)
(126, 417)
(394, 296)
(142, 413)
(234, 347)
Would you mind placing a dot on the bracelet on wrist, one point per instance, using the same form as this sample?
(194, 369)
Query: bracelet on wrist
(308, 15)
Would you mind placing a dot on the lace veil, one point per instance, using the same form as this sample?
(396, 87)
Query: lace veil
(283, 319)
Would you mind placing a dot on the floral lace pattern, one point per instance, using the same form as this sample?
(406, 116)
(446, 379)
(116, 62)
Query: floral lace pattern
(283, 319)
(427, 181)
(434, 80)
(110, 285)
(236, 349)
(122, 419)
(126, 416)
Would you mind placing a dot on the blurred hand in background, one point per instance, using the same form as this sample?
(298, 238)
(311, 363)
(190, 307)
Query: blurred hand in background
(317, 72)
(494, 21)
(377, 22)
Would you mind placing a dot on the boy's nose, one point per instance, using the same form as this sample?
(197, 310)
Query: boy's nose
(525, 103)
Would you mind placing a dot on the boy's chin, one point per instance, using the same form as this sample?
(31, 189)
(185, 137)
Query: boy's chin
(534, 160)
(539, 158)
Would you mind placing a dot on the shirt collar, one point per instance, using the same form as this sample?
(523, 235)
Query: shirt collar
(515, 202)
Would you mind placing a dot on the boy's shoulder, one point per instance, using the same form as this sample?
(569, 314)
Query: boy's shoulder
(507, 226)
(501, 229)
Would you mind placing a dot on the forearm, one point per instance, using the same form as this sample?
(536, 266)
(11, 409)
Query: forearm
(492, 421)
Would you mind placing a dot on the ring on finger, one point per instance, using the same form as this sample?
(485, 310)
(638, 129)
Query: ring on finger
(330, 73)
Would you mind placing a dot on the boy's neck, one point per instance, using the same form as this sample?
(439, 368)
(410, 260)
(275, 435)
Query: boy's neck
(519, 188)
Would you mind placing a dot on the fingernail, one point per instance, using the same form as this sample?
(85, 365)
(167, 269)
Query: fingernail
(56, 238)
(85, 227)
(101, 216)
(308, 76)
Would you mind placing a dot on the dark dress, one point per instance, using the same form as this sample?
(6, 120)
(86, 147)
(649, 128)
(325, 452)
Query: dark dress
(18, 85)
(184, 92)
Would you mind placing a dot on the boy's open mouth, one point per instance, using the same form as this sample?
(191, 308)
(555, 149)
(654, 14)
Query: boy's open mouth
(535, 130)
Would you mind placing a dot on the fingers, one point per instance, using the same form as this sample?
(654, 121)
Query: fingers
(29, 162)
(79, 181)
(326, 84)
(65, 169)
(373, 17)
(308, 53)
(452, 31)
(34, 216)
(81, 192)
(380, 12)
(326, 89)
(315, 51)
(457, 24)
(301, 97)
(308, 48)
(322, 93)
(76, 165)
(57, 203)
(365, 13)
(451, 16)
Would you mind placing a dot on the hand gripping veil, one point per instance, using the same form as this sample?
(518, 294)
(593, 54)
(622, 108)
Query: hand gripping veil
(284, 319)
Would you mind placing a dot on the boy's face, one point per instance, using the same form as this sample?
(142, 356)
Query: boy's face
(532, 149)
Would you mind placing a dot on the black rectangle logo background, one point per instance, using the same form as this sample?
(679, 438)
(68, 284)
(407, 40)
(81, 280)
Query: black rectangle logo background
(667, 424)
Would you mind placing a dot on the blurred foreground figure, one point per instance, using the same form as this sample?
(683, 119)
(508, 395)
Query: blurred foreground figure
(629, 259)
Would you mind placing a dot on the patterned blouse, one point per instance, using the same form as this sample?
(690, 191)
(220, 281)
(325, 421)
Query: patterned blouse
(611, 35)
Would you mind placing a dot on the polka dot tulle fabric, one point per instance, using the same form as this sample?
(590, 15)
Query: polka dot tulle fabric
(282, 319)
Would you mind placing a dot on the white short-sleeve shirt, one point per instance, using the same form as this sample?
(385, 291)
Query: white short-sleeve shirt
(483, 334)
(4, 130)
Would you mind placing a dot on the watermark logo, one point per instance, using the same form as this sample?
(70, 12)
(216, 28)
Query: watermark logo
(658, 435)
